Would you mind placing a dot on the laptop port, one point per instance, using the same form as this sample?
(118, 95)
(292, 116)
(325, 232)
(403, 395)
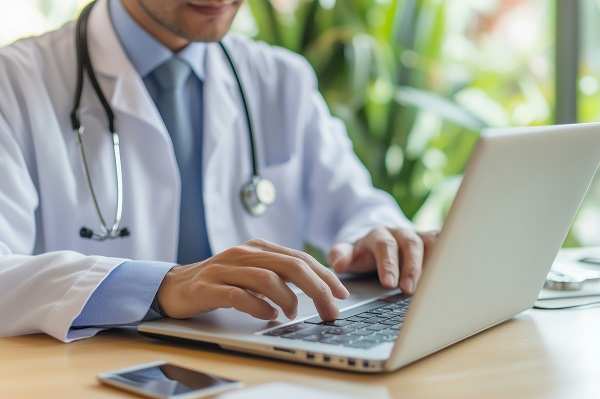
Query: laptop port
(284, 350)
(326, 358)
(310, 356)
(351, 362)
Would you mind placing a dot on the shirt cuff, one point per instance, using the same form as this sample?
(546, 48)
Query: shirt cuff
(123, 298)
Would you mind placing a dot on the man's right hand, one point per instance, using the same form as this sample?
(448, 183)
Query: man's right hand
(242, 276)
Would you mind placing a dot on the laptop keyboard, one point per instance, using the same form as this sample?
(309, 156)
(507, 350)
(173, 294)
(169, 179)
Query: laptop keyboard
(362, 327)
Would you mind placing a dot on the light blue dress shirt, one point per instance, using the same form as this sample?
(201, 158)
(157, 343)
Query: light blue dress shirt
(124, 297)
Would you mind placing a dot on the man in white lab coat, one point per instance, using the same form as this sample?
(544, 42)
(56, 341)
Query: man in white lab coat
(53, 280)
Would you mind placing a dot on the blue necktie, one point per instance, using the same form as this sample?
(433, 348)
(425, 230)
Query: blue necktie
(174, 106)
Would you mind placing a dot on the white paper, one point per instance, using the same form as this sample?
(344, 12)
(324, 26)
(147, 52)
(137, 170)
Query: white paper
(282, 390)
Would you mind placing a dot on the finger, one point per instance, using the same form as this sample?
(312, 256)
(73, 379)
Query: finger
(264, 282)
(363, 260)
(340, 256)
(240, 299)
(383, 247)
(411, 246)
(257, 294)
(203, 298)
(324, 274)
(310, 276)
(295, 270)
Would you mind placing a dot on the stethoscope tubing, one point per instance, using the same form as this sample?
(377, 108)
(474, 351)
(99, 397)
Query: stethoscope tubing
(246, 109)
(85, 64)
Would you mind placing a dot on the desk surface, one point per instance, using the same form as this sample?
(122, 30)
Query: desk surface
(538, 354)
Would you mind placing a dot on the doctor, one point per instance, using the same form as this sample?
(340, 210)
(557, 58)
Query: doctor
(191, 245)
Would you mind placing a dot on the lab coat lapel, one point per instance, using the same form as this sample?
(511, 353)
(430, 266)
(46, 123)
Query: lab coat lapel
(152, 194)
(114, 70)
(221, 111)
(222, 137)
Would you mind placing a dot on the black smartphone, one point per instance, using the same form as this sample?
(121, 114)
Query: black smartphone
(164, 380)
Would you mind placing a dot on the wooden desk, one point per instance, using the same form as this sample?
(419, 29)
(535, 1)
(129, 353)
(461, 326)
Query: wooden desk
(538, 354)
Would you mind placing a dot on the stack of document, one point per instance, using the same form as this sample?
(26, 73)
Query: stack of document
(574, 280)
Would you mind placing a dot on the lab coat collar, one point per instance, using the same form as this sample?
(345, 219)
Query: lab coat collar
(113, 67)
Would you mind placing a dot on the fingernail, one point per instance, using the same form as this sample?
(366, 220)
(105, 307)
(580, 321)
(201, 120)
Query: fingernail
(275, 314)
(344, 293)
(293, 315)
(410, 283)
(334, 312)
(390, 280)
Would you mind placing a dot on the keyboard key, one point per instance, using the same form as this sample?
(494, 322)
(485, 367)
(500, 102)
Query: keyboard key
(330, 340)
(340, 330)
(373, 338)
(357, 318)
(359, 325)
(362, 344)
(377, 327)
(375, 320)
(351, 312)
(293, 335)
(312, 338)
(337, 323)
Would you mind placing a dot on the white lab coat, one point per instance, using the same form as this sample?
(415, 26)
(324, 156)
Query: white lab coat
(47, 271)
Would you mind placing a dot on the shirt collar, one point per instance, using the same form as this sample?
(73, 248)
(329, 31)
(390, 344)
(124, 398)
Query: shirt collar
(144, 51)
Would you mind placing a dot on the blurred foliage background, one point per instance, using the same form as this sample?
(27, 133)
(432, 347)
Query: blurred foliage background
(415, 81)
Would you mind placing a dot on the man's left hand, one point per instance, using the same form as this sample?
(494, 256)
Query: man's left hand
(397, 254)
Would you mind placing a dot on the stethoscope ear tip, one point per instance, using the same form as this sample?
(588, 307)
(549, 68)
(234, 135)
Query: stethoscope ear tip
(84, 232)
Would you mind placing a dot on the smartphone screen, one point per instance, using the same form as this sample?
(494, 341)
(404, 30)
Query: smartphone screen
(165, 380)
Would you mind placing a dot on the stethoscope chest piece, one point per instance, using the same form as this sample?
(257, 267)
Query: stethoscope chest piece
(257, 195)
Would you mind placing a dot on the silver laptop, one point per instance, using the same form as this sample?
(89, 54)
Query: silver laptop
(519, 195)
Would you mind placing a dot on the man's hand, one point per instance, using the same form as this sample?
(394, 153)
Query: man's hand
(241, 277)
(397, 255)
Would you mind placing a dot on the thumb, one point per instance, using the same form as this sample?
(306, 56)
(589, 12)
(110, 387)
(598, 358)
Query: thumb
(340, 257)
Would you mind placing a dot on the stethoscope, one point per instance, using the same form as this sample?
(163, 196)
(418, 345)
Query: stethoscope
(256, 195)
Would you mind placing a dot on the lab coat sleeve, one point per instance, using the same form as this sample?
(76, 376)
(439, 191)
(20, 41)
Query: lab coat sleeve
(343, 204)
(45, 293)
(38, 293)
